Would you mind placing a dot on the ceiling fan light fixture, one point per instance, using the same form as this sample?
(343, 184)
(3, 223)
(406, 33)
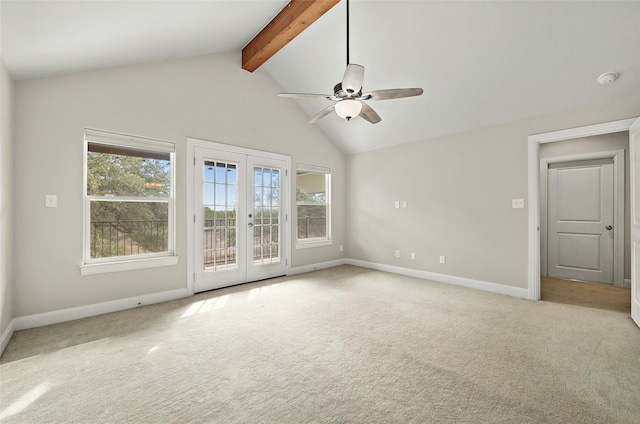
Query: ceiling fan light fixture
(348, 108)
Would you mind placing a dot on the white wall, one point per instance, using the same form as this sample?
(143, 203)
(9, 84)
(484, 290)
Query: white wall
(208, 97)
(6, 199)
(600, 143)
(459, 190)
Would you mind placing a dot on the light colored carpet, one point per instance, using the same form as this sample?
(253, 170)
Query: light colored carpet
(344, 345)
(583, 293)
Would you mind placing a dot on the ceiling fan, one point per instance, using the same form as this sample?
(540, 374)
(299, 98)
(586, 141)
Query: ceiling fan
(349, 97)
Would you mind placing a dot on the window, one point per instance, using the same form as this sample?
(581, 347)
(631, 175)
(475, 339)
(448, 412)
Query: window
(313, 199)
(129, 202)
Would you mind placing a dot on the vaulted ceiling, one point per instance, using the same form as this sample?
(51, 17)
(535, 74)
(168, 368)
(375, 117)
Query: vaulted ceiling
(479, 63)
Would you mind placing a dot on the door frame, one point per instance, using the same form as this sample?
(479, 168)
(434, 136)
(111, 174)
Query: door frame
(618, 207)
(533, 148)
(192, 143)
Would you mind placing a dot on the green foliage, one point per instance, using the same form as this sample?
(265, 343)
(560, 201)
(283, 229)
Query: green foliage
(302, 197)
(132, 176)
(123, 227)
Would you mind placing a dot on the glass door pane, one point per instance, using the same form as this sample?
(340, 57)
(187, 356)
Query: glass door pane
(266, 207)
(220, 216)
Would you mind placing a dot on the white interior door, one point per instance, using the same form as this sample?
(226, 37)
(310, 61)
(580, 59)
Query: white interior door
(240, 219)
(634, 148)
(580, 240)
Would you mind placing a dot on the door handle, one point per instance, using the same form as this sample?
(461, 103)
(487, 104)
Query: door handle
(609, 227)
(251, 224)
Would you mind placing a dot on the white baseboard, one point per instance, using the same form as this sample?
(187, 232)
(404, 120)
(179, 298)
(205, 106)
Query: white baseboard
(627, 283)
(54, 317)
(6, 336)
(442, 278)
(315, 267)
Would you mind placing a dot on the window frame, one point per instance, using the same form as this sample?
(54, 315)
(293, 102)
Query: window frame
(128, 262)
(316, 241)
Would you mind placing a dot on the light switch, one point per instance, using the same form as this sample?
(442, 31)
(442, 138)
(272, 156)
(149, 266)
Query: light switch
(51, 201)
(404, 203)
(397, 204)
(517, 203)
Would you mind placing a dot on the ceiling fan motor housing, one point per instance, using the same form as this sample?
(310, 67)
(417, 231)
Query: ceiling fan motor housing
(340, 93)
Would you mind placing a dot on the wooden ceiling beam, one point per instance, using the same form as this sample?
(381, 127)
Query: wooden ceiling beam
(294, 18)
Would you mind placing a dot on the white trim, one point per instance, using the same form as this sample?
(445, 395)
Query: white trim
(126, 140)
(63, 315)
(101, 268)
(197, 142)
(447, 279)
(314, 267)
(307, 243)
(6, 336)
(618, 201)
(587, 131)
(627, 283)
(534, 142)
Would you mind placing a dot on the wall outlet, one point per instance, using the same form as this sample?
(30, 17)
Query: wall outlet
(341, 248)
(397, 204)
(51, 200)
(443, 259)
(397, 253)
(413, 256)
(517, 203)
(404, 204)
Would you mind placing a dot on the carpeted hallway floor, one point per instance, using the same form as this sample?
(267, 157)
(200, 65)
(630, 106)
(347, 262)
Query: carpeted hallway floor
(342, 345)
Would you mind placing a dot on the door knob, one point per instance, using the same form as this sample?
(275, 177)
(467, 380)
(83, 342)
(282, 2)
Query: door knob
(609, 227)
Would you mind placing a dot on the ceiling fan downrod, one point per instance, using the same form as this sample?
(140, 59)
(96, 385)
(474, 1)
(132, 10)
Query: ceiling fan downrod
(347, 32)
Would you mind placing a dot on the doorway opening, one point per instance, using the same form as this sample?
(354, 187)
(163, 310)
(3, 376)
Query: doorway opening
(584, 206)
(535, 200)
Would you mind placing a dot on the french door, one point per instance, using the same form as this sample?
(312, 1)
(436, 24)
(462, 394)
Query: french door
(240, 217)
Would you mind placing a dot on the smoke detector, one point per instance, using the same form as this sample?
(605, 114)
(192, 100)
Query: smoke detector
(607, 78)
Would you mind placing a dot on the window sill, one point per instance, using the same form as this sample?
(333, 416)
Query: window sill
(313, 243)
(101, 268)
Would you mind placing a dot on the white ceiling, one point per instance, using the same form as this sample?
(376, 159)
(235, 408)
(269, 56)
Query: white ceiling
(479, 63)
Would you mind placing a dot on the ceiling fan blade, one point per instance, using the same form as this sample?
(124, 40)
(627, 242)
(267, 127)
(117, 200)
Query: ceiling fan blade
(352, 79)
(392, 93)
(324, 96)
(322, 114)
(369, 115)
